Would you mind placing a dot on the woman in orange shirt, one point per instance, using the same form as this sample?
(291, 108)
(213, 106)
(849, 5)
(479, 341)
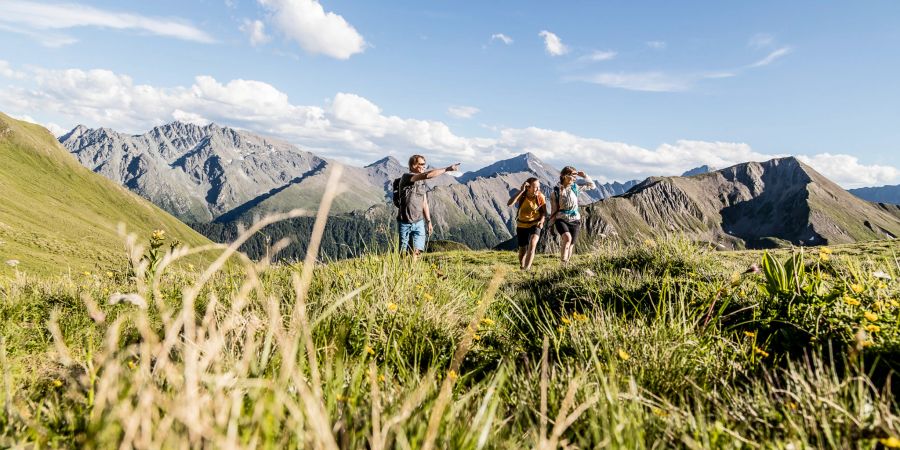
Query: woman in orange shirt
(529, 220)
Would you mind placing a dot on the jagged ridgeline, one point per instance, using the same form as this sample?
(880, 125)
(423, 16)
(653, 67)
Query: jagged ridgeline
(57, 216)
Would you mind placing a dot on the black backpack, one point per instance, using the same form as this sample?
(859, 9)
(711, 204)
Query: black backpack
(397, 196)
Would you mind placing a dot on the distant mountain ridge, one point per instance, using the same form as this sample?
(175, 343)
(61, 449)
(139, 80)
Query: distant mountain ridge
(753, 205)
(879, 194)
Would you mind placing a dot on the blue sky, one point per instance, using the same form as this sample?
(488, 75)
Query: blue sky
(622, 89)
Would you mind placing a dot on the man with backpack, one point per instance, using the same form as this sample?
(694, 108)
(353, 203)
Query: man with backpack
(410, 197)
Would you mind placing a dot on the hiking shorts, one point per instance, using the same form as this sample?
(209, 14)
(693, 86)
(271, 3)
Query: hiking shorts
(412, 235)
(565, 226)
(523, 235)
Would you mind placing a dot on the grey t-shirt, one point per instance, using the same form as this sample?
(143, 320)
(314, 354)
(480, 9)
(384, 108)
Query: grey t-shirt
(412, 199)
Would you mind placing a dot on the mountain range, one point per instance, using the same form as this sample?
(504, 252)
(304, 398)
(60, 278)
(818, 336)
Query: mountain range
(57, 216)
(879, 194)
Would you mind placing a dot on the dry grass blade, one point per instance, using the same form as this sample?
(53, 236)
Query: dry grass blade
(545, 379)
(377, 442)
(437, 412)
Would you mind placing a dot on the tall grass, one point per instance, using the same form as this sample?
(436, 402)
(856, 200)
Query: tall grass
(652, 346)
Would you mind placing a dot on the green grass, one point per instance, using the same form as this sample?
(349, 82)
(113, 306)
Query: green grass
(659, 345)
(57, 216)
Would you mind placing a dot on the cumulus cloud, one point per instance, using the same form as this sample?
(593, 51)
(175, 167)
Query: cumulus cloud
(43, 16)
(502, 38)
(553, 44)
(315, 30)
(463, 112)
(8, 72)
(256, 31)
(354, 129)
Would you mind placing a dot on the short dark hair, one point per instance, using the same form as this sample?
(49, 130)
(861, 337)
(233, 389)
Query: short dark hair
(568, 170)
(414, 158)
(531, 180)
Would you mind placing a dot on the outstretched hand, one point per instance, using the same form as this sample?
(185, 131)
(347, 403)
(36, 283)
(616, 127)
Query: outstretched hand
(452, 168)
(581, 174)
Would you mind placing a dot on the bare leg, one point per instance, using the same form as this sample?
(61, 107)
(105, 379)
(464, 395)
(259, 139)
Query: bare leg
(529, 253)
(566, 239)
(522, 253)
(569, 250)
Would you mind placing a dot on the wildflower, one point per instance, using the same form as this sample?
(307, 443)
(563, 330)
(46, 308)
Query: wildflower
(561, 330)
(881, 275)
(890, 442)
(109, 274)
(857, 288)
(57, 383)
(370, 350)
(340, 398)
(566, 321)
(851, 301)
(649, 242)
(825, 250)
(158, 235)
(487, 322)
(428, 296)
(190, 267)
(131, 364)
(12, 262)
(476, 337)
(894, 303)
(792, 406)
(742, 293)
(381, 378)
(86, 273)
(452, 375)
(392, 307)
(873, 328)
(419, 287)
(589, 273)
(750, 334)
(868, 343)
(625, 356)
(871, 317)
(659, 412)
(579, 317)
(879, 305)
(824, 256)
(761, 352)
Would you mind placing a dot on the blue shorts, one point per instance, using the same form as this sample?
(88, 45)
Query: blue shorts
(412, 235)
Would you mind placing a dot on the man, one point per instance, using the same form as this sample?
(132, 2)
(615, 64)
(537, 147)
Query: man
(414, 218)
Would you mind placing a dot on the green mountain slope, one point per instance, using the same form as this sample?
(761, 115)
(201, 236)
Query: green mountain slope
(56, 215)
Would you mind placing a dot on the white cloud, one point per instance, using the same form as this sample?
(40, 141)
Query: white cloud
(639, 81)
(553, 44)
(847, 171)
(43, 16)
(599, 55)
(317, 31)
(502, 37)
(255, 30)
(8, 72)
(354, 129)
(463, 112)
(657, 45)
(771, 57)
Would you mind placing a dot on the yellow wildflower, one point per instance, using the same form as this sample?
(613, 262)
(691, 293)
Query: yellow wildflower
(868, 343)
(190, 267)
(879, 305)
(825, 250)
(392, 307)
(659, 412)
(824, 256)
(476, 337)
(750, 334)
(761, 352)
(86, 273)
(109, 274)
(871, 317)
(566, 321)
(452, 375)
(381, 378)
(894, 303)
(158, 235)
(792, 406)
(873, 328)
(561, 330)
(857, 288)
(487, 322)
(131, 364)
(851, 301)
(890, 442)
(579, 317)
(370, 350)
(428, 296)
(624, 355)
(57, 383)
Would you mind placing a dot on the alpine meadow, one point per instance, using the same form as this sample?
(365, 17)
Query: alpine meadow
(322, 224)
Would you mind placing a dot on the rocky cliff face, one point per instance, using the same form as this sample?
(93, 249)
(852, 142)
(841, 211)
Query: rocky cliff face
(754, 205)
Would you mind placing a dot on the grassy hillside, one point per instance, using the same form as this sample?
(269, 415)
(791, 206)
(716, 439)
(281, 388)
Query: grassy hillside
(659, 345)
(56, 215)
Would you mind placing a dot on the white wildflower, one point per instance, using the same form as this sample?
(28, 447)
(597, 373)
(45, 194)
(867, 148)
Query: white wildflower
(12, 262)
(880, 274)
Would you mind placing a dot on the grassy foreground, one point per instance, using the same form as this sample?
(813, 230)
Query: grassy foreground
(660, 345)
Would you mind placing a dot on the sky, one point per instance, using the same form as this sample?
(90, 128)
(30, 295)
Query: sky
(621, 90)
